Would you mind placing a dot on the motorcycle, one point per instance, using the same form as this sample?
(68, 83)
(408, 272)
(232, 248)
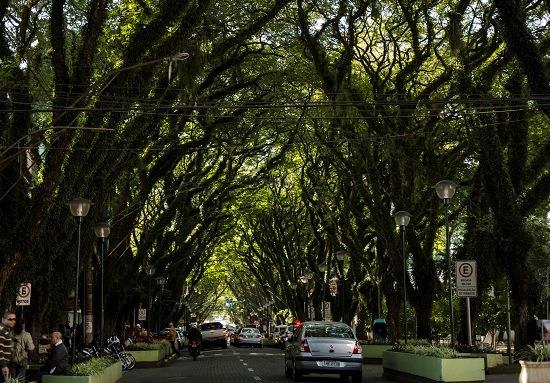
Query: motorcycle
(194, 349)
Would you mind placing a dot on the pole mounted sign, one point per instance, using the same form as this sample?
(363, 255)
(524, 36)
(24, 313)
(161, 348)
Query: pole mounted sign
(23, 295)
(466, 279)
(142, 314)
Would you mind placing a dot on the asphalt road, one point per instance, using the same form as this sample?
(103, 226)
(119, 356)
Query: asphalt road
(245, 365)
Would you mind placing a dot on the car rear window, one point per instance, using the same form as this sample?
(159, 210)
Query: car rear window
(211, 326)
(328, 331)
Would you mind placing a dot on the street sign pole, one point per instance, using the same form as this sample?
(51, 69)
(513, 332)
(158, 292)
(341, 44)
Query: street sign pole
(466, 287)
(469, 321)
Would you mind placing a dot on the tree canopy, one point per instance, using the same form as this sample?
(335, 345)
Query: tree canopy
(236, 146)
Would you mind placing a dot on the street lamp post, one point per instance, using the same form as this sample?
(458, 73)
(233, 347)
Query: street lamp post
(402, 219)
(304, 279)
(79, 209)
(548, 281)
(150, 270)
(102, 230)
(446, 190)
(322, 269)
(160, 282)
(341, 256)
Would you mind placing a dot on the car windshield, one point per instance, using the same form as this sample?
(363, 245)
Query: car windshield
(328, 331)
(255, 330)
(211, 326)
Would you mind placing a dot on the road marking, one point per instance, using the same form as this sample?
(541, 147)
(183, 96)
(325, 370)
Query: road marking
(245, 364)
(257, 378)
(250, 369)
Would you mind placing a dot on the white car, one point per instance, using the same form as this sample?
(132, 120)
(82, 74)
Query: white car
(248, 337)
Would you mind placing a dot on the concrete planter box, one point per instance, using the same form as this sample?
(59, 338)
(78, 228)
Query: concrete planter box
(374, 351)
(491, 360)
(534, 372)
(405, 367)
(110, 375)
(148, 355)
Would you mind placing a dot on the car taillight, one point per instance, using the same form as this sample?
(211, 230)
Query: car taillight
(357, 348)
(304, 346)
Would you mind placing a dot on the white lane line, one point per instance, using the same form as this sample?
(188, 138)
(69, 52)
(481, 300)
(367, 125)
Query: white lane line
(245, 364)
(250, 369)
(257, 378)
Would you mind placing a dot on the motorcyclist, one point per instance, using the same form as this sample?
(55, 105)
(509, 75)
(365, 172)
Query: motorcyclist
(194, 335)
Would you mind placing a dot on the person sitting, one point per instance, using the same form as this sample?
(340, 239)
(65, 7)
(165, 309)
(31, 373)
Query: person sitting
(58, 358)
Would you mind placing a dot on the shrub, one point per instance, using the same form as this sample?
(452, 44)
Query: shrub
(142, 346)
(91, 367)
(438, 352)
(538, 353)
(474, 349)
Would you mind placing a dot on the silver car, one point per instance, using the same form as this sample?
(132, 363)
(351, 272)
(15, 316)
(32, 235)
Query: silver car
(324, 348)
(248, 337)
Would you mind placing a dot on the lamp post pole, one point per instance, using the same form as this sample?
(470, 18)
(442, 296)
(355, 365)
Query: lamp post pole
(150, 271)
(446, 190)
(160, 282)
(79, 209)
(402, 218)
(323, 268)
(102, 230)
(341, 257)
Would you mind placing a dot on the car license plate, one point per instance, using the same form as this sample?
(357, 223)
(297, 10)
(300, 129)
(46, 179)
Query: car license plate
(330, 363)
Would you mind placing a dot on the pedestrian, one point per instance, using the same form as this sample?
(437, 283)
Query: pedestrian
(6, 343)
(22, 345)
(172, 335)
(58, 358)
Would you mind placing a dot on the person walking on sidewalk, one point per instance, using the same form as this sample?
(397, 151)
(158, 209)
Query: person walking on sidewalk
(172, 335)
(23, 344)
(6, 343)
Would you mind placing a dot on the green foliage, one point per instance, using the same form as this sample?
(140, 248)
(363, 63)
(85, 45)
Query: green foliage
(142, 346)
(91, 367)
(437, 352)
(474, 349)
(540, 352)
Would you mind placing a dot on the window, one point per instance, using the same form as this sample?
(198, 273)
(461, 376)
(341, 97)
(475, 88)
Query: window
(328, 331)
(211, 326)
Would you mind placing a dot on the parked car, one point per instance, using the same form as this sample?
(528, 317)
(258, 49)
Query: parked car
(213, 334)
(324, 348)
(248, 336)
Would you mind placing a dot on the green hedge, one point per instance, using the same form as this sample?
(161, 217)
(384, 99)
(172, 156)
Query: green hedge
(94, 366)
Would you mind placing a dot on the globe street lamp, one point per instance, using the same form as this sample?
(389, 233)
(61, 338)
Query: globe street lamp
(160, 282)
(402, 219)
(79, 208)
(446, 190)
(102, 230)
(150, 270)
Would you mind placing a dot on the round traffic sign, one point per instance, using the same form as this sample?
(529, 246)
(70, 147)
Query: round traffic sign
(465, 270)
(24, 291)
